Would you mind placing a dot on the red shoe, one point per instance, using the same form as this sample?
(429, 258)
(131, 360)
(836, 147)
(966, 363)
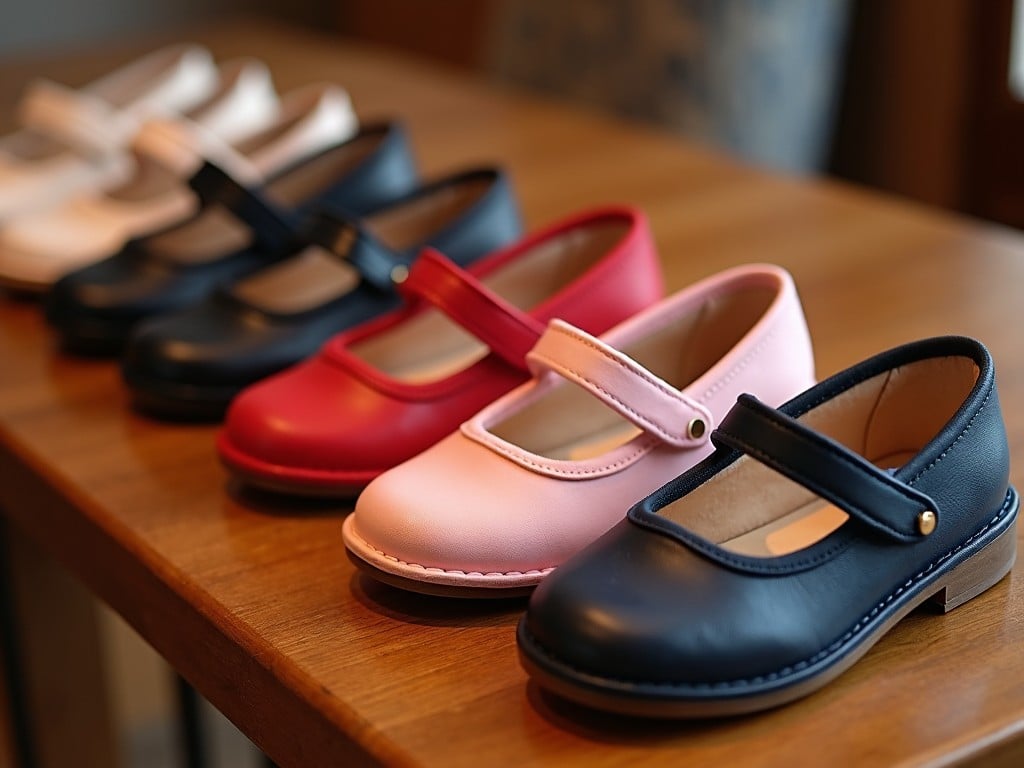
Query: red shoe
(383, 392)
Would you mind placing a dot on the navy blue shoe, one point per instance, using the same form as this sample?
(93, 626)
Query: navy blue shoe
(235, 231)
(192, 363)
(770, 568)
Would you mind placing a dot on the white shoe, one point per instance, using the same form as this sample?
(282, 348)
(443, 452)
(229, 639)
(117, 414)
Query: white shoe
(37, 250)
(165, 152)
(74, 140)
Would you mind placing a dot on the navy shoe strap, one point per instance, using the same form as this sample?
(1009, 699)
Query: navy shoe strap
(379, 266)
(271, 227)
(832, 471)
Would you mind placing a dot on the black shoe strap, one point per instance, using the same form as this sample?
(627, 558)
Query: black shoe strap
(831, 470)
(272, 227)
(345, 239)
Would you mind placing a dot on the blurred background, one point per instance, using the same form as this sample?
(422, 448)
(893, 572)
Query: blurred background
(919, 98)
(916, 97)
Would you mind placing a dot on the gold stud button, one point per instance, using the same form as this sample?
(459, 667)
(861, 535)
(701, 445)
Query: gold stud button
(399, 273)
(926, 522)
(696, 429)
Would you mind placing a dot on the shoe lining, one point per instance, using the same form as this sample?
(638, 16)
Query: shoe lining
(430, 346)
(308, 178)
(887, 419)
(800, 528)
(570, 424)
(316, 276)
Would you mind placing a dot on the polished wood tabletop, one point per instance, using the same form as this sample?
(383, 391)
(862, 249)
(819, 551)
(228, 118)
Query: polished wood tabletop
(251, 597)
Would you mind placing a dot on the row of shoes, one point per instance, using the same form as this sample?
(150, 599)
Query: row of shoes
(704, 530)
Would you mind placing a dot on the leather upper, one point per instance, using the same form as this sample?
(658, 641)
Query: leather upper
(662, 607)
(339, 418)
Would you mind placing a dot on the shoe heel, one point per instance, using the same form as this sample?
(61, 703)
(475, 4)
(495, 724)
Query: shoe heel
(979, 572)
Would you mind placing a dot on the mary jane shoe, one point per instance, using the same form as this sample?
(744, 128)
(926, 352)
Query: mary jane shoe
(387, 390)
(73, 140)
(496, 506)
(770, 568)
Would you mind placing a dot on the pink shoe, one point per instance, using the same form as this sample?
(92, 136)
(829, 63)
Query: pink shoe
(546, 469)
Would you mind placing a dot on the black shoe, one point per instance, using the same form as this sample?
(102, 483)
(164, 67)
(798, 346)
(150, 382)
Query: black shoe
(236, 230)
(192, 363)
(770, 568)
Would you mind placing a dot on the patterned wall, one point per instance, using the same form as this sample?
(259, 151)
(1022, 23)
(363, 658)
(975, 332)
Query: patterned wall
(757, 77)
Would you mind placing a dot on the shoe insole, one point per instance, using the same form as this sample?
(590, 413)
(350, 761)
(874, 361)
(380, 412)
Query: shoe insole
(212, 234)
(430, 346)
(149, 181)
(569, 423)
(790, 533)
(597, 443)
(216, 232)
(310, 278)
(799, 529)
(314, 276)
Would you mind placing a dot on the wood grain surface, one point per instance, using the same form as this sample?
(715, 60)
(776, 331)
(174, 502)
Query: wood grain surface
(252, 598)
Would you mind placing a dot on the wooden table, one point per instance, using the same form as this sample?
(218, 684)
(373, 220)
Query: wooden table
(252, 599)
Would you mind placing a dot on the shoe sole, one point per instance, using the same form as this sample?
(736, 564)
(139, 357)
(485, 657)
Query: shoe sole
(91, 337)
(437, 590)
(24, 289)
(180, 402)
(289, 481)
(434, 581)
(982, 565)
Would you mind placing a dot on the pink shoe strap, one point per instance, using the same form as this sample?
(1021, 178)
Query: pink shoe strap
(623, 385)
(508, 331)
(83, 122)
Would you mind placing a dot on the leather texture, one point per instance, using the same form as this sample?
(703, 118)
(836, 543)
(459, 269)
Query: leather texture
(332, 424)
(95, 309)
(422, 520)
(656, 618)
(195, 361)
(75, 140)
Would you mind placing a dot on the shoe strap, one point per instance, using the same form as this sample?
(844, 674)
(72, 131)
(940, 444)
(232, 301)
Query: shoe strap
(622, 384)
(379, 266)
(83, 122)
(509, 332)
(182, 146)
(832, 471)
(271, 227)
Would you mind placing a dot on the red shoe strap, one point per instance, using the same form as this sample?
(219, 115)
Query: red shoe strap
(509, 332)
